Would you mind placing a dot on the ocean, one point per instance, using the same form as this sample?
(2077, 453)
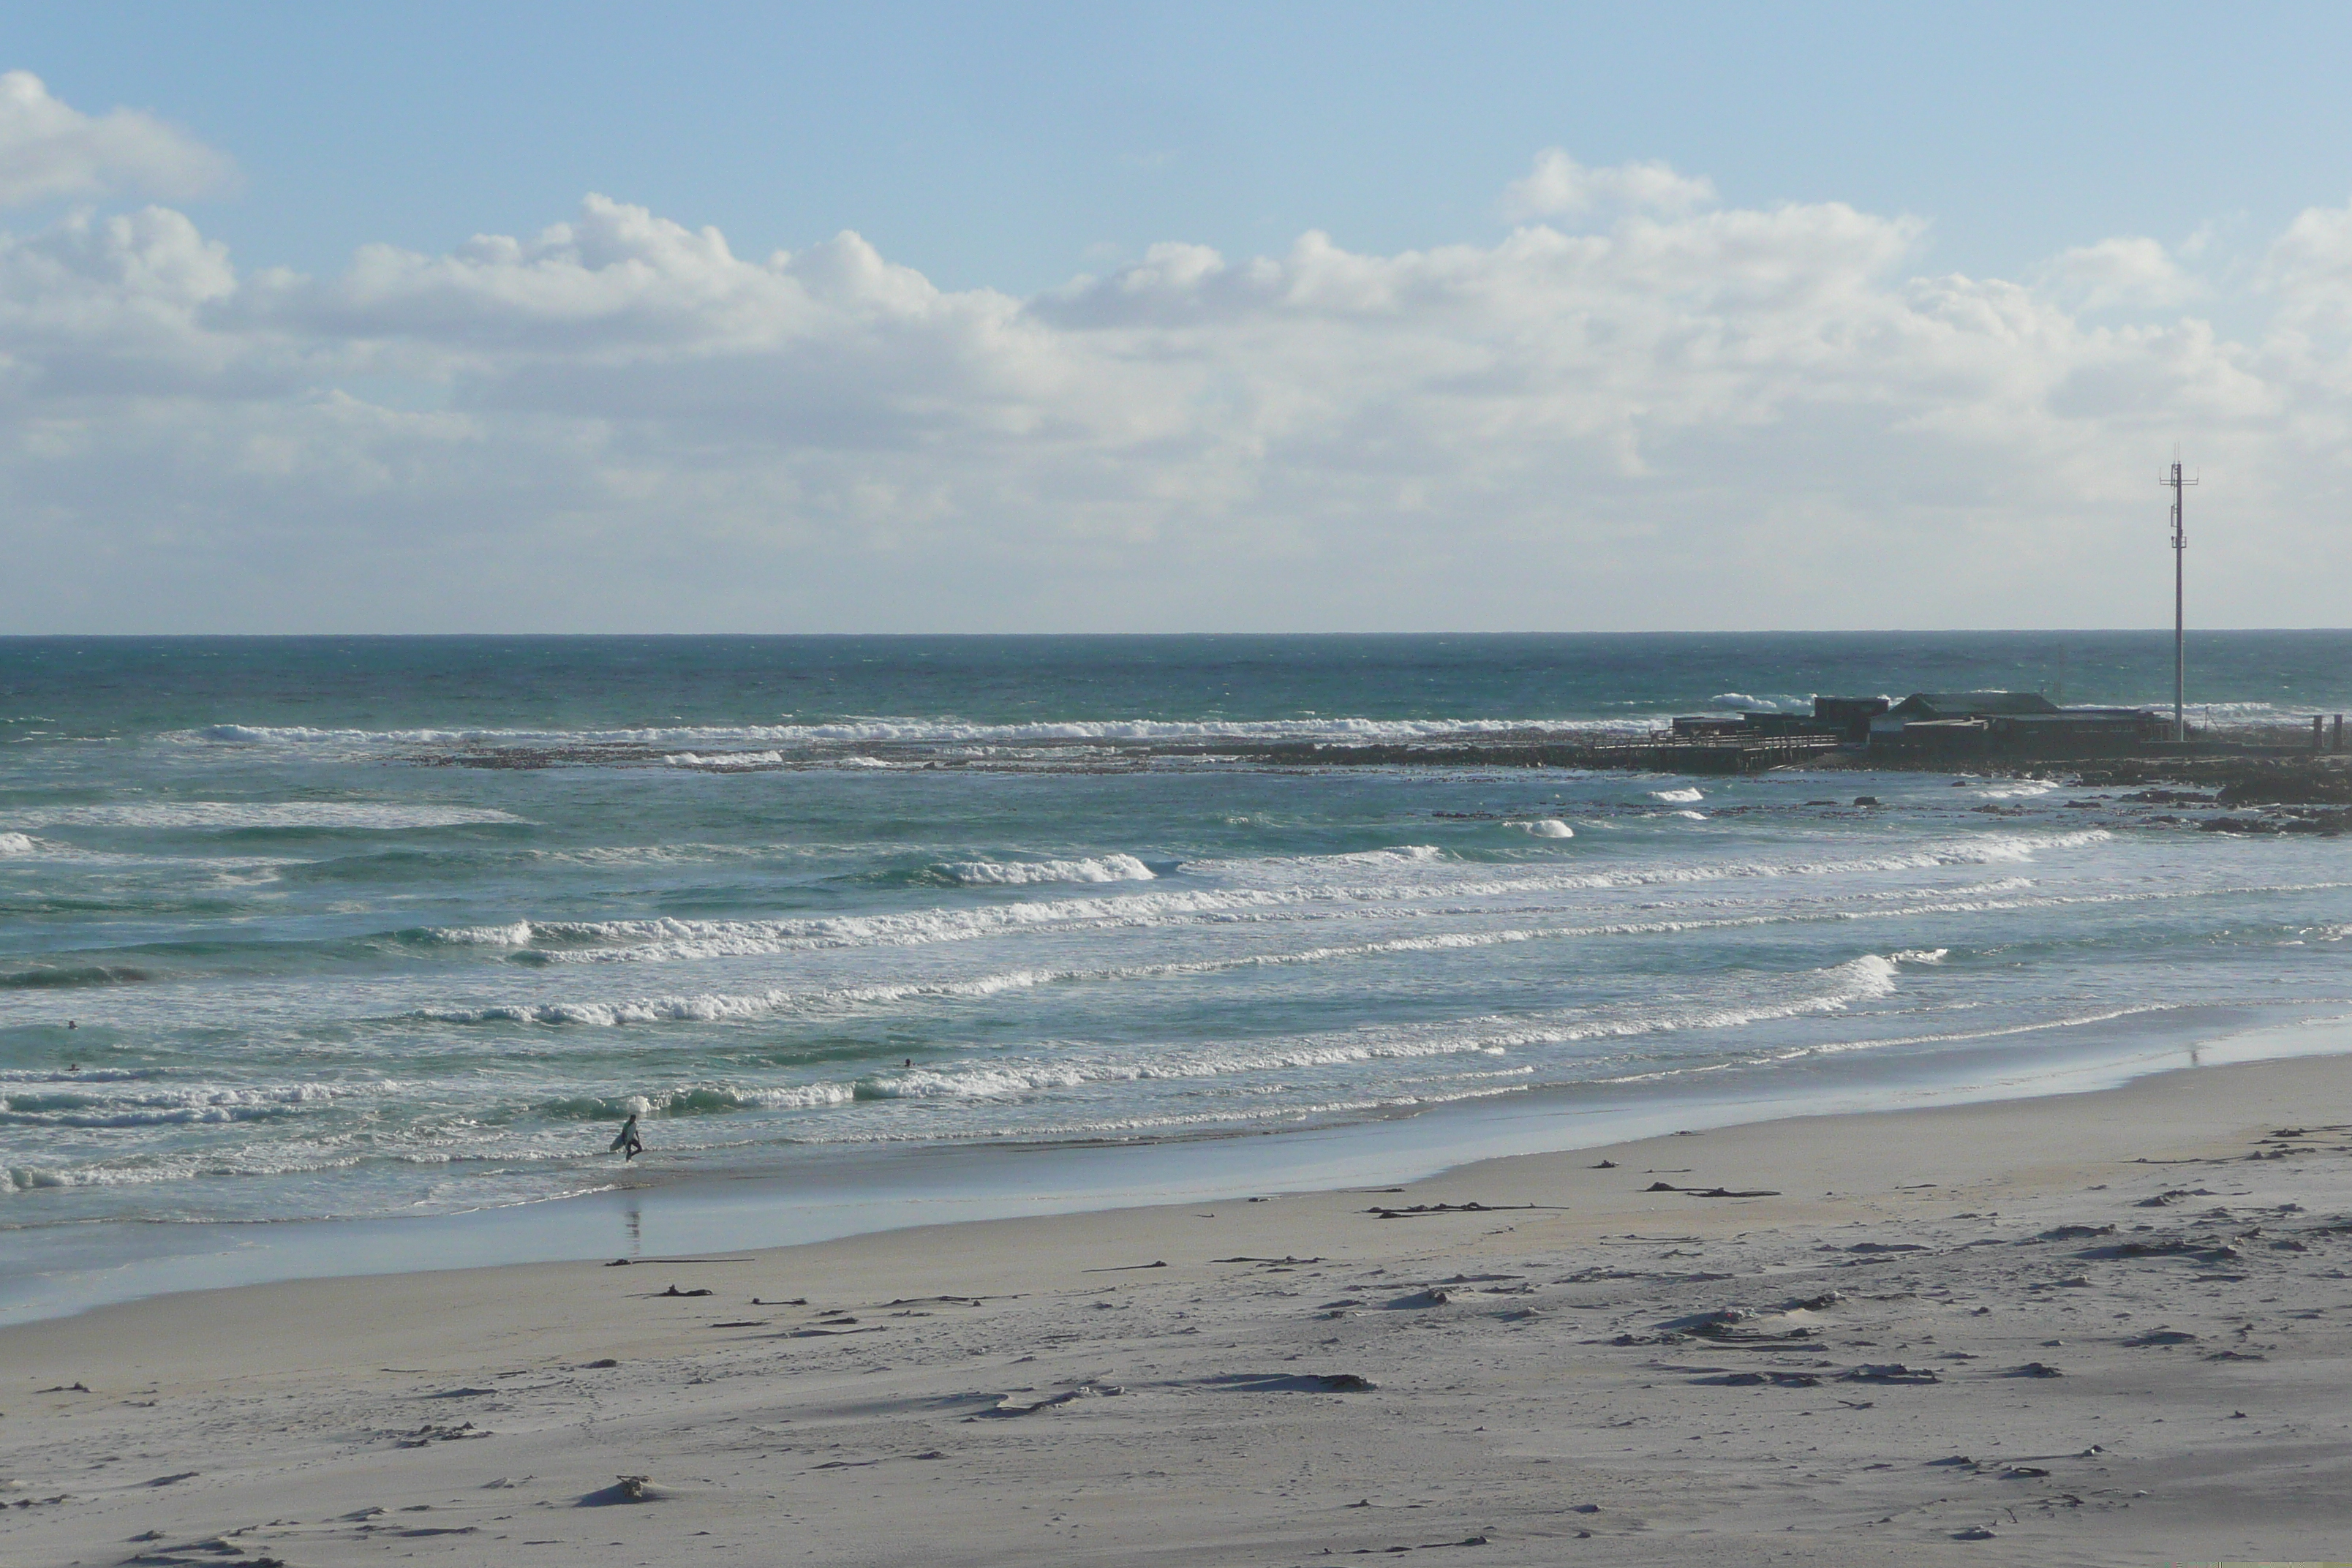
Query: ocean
(350, 928)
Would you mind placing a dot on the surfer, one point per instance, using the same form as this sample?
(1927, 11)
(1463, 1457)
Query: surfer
(628, 1144)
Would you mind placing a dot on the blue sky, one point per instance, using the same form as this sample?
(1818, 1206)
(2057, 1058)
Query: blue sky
(2134, 202)
(1013, 145)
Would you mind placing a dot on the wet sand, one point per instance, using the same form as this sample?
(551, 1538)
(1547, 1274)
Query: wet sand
(2102, 1328)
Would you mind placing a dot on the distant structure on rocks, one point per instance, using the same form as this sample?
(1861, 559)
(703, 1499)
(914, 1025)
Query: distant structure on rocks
(2022, 723)
(2017, 721)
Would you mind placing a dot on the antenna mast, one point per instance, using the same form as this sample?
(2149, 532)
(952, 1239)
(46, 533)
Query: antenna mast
(2179, 617)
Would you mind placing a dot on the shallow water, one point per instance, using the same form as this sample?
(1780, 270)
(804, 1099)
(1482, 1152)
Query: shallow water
(271, 947)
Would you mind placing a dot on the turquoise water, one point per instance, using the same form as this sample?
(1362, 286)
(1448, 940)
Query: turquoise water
(302, 928)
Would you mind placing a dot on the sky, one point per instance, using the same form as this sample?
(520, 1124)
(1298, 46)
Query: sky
(1059, 318)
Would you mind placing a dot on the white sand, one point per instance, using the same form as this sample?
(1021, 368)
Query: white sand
(1021, 1392)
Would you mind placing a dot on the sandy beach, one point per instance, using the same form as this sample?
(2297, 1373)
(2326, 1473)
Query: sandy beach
(2101, 1328)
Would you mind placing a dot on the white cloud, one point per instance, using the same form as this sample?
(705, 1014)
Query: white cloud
(2309, 269)
(50, 150)
(2126, 272)
(1710, 417)
(1558, 186)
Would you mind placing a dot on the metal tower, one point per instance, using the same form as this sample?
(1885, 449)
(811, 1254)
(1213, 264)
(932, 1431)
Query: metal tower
(2179, 618)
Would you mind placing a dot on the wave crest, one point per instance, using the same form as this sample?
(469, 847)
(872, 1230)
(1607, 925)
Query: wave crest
(1017, 873)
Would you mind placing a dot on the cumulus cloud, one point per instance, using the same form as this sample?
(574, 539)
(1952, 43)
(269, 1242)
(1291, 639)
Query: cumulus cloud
(1691, 417)
(50, 150)
(1559, 187)
(2124, 271)
(2309, 269)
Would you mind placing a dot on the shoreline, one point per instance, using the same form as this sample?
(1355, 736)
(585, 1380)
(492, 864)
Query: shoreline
(2095, 1328)
(837, 1193)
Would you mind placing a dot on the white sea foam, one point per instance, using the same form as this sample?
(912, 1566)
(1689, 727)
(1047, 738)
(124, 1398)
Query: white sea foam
(2242, 715)
(657, 941)
(230, 815)
(85, 1074)
(1784, 702)
(1678, 796)
(1015, 873)
(224, 870)
(515, 933)
(725, 761)
(1962, 1037)
(1475, 880)
(81, 1103)
(705, 1099)
(2018, 789)
(717, 1007)
(665, 854)
(1392, 857)
(708, 1008)
(252, 1159)
(799, 1097)
(1864, 978)
(1549, 827)
(921, 731)
(671, 940)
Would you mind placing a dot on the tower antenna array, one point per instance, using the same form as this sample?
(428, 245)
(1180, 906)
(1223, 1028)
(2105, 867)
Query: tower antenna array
(2180, 617)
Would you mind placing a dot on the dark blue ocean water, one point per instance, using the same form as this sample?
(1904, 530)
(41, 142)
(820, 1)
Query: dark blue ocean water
(319, 926)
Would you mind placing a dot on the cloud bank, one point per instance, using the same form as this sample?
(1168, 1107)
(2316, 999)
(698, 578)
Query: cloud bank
(50, 150)
(1662, 412)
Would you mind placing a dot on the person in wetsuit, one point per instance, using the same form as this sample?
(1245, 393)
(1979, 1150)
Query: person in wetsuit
(628, 1144)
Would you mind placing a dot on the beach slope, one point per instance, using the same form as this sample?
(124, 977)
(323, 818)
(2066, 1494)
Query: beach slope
(2102, 1328)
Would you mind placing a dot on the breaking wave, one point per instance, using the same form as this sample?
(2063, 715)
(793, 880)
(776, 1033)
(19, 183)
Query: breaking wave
(218, 815)
(514, 934)
(672, 940)
(681, 741)
(82, 1103)
(1842, 986)
(715, 1007)
(1016, 873)
(71, 976)
(519, 891)
(724, 761)
(1783, 702)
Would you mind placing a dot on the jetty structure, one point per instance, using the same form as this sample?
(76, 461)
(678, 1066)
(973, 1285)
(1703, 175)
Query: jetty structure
(1926, 729)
